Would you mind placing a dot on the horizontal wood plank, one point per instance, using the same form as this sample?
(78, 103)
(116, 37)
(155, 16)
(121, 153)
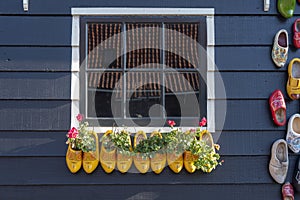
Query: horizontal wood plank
(35, 58)
(46, 143)
(246, 143)
(146, 192)
(249, 115)
(53, 171)
(31, 85)
(249, 58)
(250, 30)
(34, 115)
(222, 7)
(56, 31)
(252, 85)
(37, 30)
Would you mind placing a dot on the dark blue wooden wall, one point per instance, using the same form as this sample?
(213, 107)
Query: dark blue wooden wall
(35, 105)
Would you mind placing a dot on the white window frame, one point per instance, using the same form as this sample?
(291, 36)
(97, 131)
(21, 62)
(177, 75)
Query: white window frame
(118, 11)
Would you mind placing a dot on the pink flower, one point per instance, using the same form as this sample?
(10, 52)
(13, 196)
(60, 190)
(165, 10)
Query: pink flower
(171, 123)
(202, 122)
(73, 133)
(79, 117)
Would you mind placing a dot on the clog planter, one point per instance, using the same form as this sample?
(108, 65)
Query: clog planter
(175, 161)
(108, 158)
(293, 83)
(73, 159)
(141, 163)
(280, 48)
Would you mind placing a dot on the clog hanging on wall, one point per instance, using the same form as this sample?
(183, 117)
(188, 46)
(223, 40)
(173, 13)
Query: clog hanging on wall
(286, 7)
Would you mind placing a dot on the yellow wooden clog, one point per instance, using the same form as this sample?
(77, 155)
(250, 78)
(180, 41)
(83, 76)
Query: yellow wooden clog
(188, 161)
(107, 156)
(158, 162)
(124, 162)
(207, 138)
(142, 164)
(91, 159)
(293, 83)
(73, 159)
(175, 162)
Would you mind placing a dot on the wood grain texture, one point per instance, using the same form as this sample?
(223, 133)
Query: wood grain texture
(250, 30)
(250, 115)
(31, 85)
(56, 31)
(37, 30)
(34, 115)
(35, 59)
(249, 58)
(53, 171)
(145, 192)
(252, 85)
(45, 143)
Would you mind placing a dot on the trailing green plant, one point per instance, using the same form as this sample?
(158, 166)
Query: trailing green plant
(207, 157)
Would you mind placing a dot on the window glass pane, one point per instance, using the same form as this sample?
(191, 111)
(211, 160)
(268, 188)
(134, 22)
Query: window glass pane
(104, 45)
(143, 94)
(104, 94)
(182, 94)
(181, 45)
(143, 41)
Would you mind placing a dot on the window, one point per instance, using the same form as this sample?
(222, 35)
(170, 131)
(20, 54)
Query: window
(140, 67)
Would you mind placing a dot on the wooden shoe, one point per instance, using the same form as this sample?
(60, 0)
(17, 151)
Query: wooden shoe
(158, 162)
(296, 175)
(293, 133)
(188, 161)
(73, 159)
(175, 161)
(286, 7)
(124, 162)
(91, 159)
(279, 161)
(107, 158)
(207, 138)
(296, 30)
(287, 191)
(142, 164)
(280, 48)
(293, 83)
(278, 108)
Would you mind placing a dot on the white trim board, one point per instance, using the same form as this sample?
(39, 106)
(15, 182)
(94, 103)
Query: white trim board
(142, 11)
(121, 11)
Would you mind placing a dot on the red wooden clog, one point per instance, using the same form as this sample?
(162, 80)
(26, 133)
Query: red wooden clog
(287, 191)
(296, 29)
(278, 108)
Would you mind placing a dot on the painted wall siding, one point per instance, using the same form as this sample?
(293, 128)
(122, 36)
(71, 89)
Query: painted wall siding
(35, 106)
